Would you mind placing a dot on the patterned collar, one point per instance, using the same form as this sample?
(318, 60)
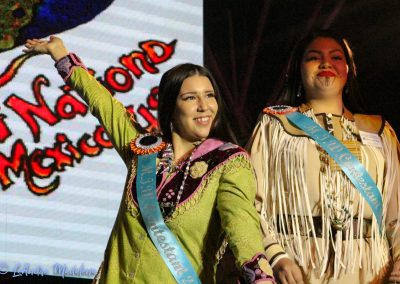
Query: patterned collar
(346, 113)
(167, 155)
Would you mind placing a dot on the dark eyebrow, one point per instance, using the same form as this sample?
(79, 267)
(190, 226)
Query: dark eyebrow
(313, 50)
(194, 92)
(188, 93)
(318, 51)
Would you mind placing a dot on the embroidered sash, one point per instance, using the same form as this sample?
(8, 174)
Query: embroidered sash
(350, 165)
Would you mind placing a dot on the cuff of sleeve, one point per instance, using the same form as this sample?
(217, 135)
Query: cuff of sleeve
(66, 65)
(257, 270)
(274, 253)
(278, 258)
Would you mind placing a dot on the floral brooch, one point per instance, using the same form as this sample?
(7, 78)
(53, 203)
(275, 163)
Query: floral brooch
(146, 144)
(198, 169)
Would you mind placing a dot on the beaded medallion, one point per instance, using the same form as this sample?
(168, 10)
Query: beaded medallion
(147, 143)
(279, 109)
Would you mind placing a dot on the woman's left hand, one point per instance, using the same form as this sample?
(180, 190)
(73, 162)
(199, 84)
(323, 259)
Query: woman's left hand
(288, 272)
(395, 275)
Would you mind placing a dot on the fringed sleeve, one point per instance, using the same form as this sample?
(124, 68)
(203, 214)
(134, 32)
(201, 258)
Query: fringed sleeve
(391, 188)
(257, 146)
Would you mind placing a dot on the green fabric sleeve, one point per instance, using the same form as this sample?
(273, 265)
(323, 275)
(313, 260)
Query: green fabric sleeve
(111, 113)
(235, 204)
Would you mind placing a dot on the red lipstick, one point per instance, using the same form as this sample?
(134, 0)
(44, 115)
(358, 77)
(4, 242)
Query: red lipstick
(326, 74)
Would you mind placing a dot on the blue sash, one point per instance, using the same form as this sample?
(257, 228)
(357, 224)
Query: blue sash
(350, 165)
(164, 240)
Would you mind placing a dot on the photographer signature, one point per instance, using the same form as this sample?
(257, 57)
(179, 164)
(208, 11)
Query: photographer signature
(23, 269)
(63, 270)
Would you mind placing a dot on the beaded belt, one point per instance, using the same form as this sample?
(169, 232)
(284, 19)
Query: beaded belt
(317, 220)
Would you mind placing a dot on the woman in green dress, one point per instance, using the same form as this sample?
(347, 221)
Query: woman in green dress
(205, 184)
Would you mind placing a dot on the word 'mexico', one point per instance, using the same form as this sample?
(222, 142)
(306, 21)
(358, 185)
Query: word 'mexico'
(41, 164)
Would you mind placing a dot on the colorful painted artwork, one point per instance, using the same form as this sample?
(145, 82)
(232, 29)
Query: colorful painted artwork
(20, 20)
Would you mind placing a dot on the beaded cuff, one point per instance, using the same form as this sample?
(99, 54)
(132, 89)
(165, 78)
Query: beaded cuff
(66, 64)
(255, 270)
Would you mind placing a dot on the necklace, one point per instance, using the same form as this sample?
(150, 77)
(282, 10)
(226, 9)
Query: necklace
(337, 191)
(166, 161)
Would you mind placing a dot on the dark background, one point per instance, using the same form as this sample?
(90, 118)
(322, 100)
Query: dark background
(247, 43)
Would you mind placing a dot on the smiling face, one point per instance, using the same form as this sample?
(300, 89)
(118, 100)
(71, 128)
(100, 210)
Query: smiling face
(195, 109)
(323, 68)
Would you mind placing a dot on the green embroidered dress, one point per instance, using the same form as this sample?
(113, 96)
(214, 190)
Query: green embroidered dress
(217, 204)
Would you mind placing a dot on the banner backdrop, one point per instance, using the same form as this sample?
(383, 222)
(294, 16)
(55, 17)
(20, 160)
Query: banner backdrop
(61, 180)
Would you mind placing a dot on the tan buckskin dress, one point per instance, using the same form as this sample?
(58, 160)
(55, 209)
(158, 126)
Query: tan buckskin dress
(309, 208)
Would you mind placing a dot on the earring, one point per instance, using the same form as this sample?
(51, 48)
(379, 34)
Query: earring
(298, 94)
(346, 89)
(171, 127)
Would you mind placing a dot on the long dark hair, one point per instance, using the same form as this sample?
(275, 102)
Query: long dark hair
(286, 93)
(169, 88)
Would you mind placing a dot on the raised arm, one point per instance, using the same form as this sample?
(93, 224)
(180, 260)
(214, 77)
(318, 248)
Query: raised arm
(111, 114)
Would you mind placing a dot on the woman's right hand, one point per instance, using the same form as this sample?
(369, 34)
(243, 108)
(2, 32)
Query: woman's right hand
(54, 47)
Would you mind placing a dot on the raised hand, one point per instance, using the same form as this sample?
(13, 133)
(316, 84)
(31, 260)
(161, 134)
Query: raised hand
(54, 47)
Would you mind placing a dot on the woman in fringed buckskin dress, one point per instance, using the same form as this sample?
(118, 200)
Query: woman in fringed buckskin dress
(311, 212)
